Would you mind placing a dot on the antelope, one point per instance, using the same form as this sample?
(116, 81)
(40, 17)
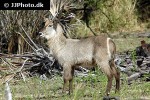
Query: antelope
(87, 52)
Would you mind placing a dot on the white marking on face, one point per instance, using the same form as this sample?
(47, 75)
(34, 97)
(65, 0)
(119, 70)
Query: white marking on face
(50, 32)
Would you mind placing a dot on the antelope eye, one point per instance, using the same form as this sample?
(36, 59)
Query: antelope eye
(50, 25)
(42, 25)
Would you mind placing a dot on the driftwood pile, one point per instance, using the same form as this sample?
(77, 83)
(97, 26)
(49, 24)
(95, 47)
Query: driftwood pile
(133, 66)
(31, 64)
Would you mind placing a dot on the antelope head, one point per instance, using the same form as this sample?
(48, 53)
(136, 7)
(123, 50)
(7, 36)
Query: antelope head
(52, 27)
(48, 30)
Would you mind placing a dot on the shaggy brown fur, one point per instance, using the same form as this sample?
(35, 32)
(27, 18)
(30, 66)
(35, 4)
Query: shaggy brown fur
(88, 52)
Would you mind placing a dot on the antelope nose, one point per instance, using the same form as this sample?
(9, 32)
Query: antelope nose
(40, 33)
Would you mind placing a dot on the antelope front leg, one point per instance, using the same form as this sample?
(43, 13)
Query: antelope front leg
(64, 86)
(71, 81)
(70, 86)
(65, 78)
(68, 76)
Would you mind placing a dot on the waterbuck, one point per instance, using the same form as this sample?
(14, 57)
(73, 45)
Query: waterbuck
(71, 53)
(91, 51)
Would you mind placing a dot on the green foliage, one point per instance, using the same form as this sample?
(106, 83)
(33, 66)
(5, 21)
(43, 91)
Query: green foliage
(143, 10)
(111, 16)
(118, 15)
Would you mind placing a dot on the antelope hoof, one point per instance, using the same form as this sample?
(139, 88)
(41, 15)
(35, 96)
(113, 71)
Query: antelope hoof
(108, 94)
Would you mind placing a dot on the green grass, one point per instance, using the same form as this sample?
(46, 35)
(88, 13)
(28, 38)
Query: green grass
(85, 88)
(129, 43)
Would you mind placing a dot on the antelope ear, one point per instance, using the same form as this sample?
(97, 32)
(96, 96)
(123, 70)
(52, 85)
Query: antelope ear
(59, 29)
(45, 19)
(48, 22)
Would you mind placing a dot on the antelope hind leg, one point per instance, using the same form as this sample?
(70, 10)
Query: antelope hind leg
(107, 70)
(116, 73)
(109, 84)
